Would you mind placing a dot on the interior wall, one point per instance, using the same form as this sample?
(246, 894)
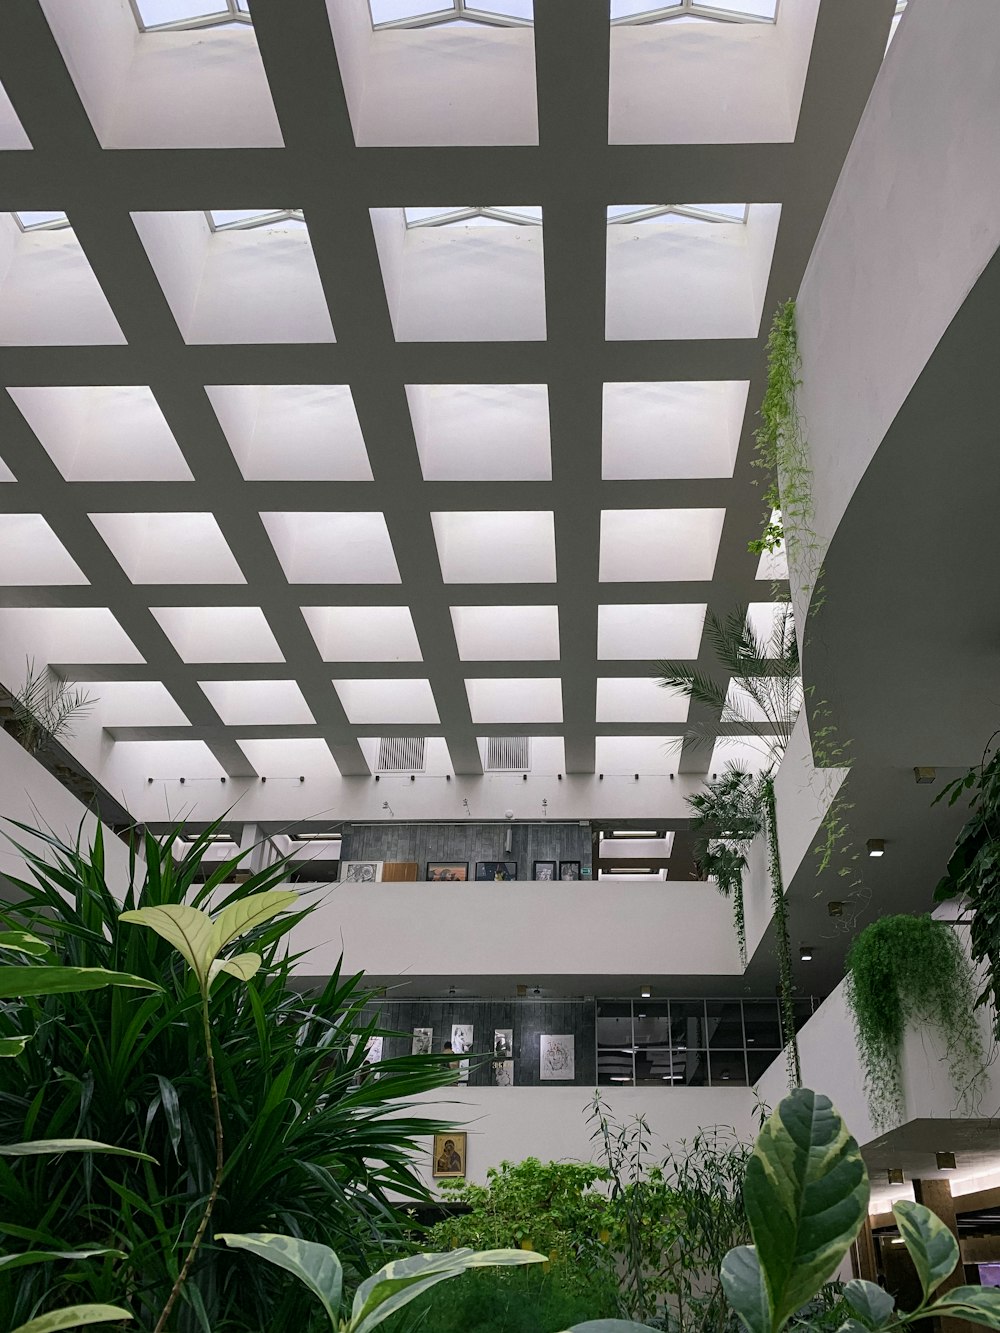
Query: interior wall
(468, 843)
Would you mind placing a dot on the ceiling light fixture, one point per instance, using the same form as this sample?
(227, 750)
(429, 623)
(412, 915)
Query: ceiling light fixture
(894, 1175)
(924, 774)
(646, 992)
(945, 1161)
(875, 846)
(805, 954)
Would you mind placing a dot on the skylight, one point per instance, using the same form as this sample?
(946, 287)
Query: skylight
(41, 221)
(680, 213)
(487, 215)
(421, 14)
(243, 219)
(686, 11)
(180, 15)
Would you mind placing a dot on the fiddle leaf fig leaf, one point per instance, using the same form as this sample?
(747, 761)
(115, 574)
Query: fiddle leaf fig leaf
(869, 1300)
(190, 930)
(315, 1265)
(806, 1194)
(932, 1247)
(743, 1283)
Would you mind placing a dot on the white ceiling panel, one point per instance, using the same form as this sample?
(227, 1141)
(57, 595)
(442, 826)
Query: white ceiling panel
(363, 633)
(514, 546)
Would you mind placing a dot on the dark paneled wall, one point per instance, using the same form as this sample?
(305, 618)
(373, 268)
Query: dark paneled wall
(468, 842)
(528, 1018)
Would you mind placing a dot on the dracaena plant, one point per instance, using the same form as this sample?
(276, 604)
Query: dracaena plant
(806, 1195)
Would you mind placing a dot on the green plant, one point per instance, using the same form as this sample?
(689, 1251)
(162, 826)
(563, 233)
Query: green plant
(973, 871)
(806, 1195)
(380, 1296)
(44, 709)
(902, 969)
(310, 1148)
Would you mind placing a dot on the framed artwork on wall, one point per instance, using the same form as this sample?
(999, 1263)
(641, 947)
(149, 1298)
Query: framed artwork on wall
(422, 1039)
(360, 872)
(447, 871)
(556, 1058)
(503, 1043)
(544, 870)
(449, 1155)
(503, 1073)
(569, 869)
(496, 870)
(461, 1043)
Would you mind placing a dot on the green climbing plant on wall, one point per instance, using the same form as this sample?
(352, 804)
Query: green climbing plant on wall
(908, 969)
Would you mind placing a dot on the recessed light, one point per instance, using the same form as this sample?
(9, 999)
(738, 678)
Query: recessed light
(924, 774)
(894, 1175)
(646, 992)
(875, 846)
(945, 1161)
(805, 954)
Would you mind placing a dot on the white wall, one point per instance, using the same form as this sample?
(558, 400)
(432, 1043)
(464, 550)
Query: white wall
(524, 928)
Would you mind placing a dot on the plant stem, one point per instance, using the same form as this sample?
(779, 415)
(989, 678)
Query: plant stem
(213, 1193)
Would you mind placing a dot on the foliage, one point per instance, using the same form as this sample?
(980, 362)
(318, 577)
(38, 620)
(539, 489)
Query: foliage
(902, 969)
(532, 1300)
(806, 1196)
(45, 708)
(310, 1148)
(395, 1285)
(671, 1222)
(786, 982)
(973, 871)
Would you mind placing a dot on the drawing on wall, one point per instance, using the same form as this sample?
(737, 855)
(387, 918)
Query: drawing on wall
(461, 1042)
(422, 1038)
(448, 1155)
(544, 870)
(569, 869)
(503, 1043)
(556, 1057)
(503, 1073)
(448, 871)
(496, 870)
(360, 872)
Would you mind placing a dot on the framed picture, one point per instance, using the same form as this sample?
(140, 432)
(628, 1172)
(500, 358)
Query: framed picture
(496, 870)
(360, 872)
(460, 1044)
(422, 1039)
(448, 1157)
(503, 1073)
(569, 869)
(544, 870)
(556, 1058)
(447, 870)
(503, 1043)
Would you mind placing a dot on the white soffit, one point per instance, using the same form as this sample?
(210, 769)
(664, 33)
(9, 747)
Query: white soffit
(320, 547)
(491, 546)
(5, 473)
(363, 633)
(649, 756)
(258, 285)
(292, 432)
(242, 703)
(481, 432)
(280, 758)
(218, 633)
(134, 703)
(387, 702)
(166, 761)
(103, 432)
(63, 635)
(510, 700)
(169, 548)
(632, 633)
(638, 699)
(12, 135)
(506, 633)
(49, 295)
(451, 86)
(677, 429)
(32, 554)
(204, 88)
(661, 545)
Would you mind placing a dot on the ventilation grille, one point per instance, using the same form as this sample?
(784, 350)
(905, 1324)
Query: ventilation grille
(508, 754)
(400, 754)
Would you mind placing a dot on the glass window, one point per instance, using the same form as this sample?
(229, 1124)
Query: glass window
(678, 214)
(651, 1023)
(689, 1068)
(762, 1024)
(177, 15)
(463, 13)
(491, 215)
(684, 11)
(41, 221)
(654, 1066)
(242, 219)
(728, 1067)
(758, 1062)
(687, 1025)
(725, 1025)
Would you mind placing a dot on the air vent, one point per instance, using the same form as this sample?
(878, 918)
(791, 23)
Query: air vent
(508, 754)
(400, 754)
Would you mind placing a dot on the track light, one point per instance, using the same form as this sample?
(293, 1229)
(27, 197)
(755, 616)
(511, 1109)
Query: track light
(875, 846)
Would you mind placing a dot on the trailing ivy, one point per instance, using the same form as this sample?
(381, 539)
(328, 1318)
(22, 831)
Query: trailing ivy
(973, 871)
(904, 969)
(786, 981)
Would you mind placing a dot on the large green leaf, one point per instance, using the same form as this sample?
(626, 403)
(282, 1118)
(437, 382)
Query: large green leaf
(806, 1195)
(73, 1316)
(315, 1265)
(251, 912)
(980, 1305)
(19, 981)
(11, 1261)
(11, 1046)
(608, 1326)
(241, 965)
(190, 930)
(869, 1300)
(743, 1283)
(932, 1247)
(398, 1283)
(43, 1147)
(19, 941)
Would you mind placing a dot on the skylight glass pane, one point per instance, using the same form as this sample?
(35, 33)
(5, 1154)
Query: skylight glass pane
(757, 9)
(243, 6)
(391, 11)
(693, 11)
(676, 214)
(235, 219)
(41, 221)
(156, 12)
(626, 9)
(511, 9)
(488, 215)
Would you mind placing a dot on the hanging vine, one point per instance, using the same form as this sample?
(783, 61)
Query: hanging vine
(786, 982)
(727, 819)
(903, 970)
